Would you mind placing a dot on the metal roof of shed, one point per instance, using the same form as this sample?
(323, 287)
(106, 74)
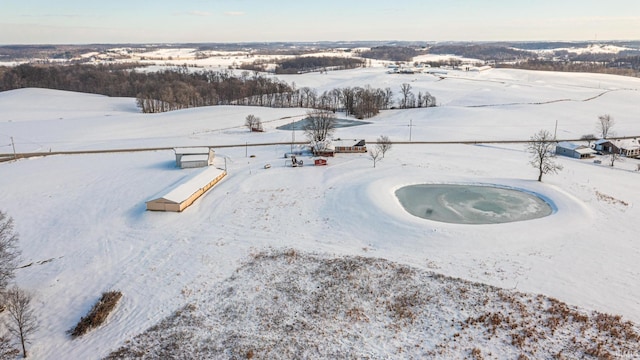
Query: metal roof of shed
(191, 151)
(183, 190)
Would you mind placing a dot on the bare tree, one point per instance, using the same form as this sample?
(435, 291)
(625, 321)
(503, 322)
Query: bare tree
(605, 123)
(429, 100)
(22, 321)
(253, 123)
(8, 250)
(613, 157)
(387, 98)
(374, 154)
(407, 95)
(541, 148)
(588, 138)
(384, 144)
(319, 125)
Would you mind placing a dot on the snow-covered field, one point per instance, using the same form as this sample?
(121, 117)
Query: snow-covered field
(84, 229)
(590, 49)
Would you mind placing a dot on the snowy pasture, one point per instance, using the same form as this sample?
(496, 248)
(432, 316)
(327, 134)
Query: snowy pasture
(84, 229)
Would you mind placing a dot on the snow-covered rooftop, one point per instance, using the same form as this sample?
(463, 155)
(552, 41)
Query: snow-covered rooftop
(190, 185)
(580, 149)
(569, 145)
(627, 144)
(191, 150)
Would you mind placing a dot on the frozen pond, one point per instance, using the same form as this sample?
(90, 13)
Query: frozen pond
(340, 123)
(471, 204)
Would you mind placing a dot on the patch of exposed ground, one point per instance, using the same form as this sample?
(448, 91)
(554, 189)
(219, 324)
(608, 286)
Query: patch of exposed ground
(287, 304)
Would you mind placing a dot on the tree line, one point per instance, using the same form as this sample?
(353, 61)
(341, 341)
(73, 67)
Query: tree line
(179, 88)
(363, 102)
(111, 80)
(390, 53)
(303, 64)
(484, 52)
(160, 91)
(316, 63)
(568, 66)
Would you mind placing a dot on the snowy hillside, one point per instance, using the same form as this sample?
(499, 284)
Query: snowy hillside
(84, 229)
(289, 305)
(591, 49)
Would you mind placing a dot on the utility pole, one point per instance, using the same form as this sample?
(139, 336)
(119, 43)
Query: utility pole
(555, 131)
(293, 134)
(13, 145)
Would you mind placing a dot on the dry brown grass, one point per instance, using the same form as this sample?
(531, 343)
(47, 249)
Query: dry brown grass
(610, 199)
(98, 313)
(291, 304)
(7, 351)
(476, 354)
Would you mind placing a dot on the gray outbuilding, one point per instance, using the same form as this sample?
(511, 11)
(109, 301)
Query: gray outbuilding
(565, 148)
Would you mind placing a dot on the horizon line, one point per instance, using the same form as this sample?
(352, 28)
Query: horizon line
(318, 42)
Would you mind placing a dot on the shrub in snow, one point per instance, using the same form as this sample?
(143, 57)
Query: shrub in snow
(98, 313)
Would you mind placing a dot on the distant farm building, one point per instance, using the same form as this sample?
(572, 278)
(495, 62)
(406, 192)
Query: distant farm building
(479, 68)
(629, 147)
(574, 150)
(323, 148)
(437, 71)
(185, 193)
(626, 147)
(607, 146)
(194, 157)
(350, 146)
(329, 148)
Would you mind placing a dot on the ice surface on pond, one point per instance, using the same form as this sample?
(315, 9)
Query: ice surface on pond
(471, 204)
(340, 123)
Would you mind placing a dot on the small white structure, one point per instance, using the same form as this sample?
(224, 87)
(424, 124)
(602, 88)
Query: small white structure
(437, 71)
(480, 68)
(194, 157)
(186, 192)
(574, 150)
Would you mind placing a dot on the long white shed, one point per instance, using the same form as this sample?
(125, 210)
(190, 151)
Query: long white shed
(186, 192)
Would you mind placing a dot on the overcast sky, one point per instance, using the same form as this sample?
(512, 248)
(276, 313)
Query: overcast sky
(153, 21)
